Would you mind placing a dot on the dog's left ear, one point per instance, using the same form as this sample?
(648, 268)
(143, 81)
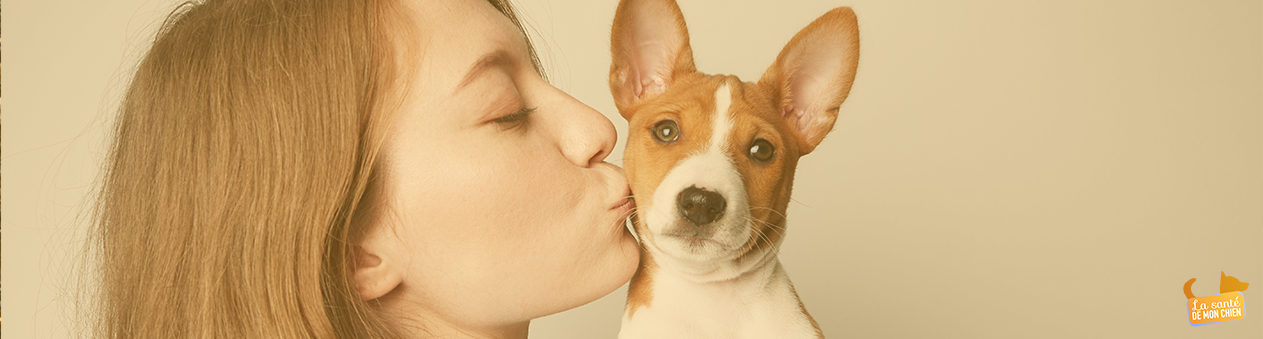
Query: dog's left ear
(813, 74)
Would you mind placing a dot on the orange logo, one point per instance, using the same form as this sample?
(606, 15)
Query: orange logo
(1228, 305)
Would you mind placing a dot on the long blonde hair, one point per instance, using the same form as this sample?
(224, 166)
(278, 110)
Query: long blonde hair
(241, 169)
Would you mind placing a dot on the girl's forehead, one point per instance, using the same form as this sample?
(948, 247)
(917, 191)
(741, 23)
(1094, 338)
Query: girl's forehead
(453, 35)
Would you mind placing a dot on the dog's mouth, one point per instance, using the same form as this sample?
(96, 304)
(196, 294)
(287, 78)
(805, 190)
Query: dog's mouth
(692, 245)
(694, 240)
(691, 238)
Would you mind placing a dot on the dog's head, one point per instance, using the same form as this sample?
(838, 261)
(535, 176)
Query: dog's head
(710, 158)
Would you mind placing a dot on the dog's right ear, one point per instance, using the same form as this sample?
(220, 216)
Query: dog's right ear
(650, 46)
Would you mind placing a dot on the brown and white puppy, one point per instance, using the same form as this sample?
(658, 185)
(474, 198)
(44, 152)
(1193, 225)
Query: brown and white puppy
(711, 164)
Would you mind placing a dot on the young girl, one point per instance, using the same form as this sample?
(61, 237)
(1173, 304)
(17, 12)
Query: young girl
(353, 169)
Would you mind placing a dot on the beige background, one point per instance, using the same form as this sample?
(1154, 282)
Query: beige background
(1002, 169)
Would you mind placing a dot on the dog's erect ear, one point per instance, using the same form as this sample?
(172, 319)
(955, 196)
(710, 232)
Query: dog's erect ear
(650, 45)
(813, 74)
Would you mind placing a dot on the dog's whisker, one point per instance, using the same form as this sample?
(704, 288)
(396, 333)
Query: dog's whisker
(782, 215)
(622, 223)
(762, 235)
(800, 203)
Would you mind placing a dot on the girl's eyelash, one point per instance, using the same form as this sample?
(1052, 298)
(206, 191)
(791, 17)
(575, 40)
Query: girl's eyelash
(516, 117)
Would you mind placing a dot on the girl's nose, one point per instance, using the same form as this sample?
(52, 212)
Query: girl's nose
(586, 136)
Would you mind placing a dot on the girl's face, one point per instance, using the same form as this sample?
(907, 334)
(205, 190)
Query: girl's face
(499, 205)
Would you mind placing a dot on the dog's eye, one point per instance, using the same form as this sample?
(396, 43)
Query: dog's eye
(761, 150)
(666, 131)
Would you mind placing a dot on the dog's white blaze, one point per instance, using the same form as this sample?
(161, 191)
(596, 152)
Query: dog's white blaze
(722, 118)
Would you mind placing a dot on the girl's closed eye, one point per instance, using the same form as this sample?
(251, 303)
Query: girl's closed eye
(516, 119)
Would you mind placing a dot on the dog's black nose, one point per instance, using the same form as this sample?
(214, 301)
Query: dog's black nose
(700, 206)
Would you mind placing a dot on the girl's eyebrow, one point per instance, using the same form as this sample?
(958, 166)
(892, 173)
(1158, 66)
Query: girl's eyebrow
(495, 58)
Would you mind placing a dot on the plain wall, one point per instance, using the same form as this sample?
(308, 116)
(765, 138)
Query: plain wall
(1002, 169)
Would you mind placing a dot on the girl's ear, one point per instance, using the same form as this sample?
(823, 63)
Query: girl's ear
(649, 45)
(813, 74)
(377, 269)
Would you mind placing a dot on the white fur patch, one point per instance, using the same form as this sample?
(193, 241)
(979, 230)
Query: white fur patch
(722, 123)
(759, 305)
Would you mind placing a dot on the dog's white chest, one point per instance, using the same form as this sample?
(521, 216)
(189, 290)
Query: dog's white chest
(684, 309)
